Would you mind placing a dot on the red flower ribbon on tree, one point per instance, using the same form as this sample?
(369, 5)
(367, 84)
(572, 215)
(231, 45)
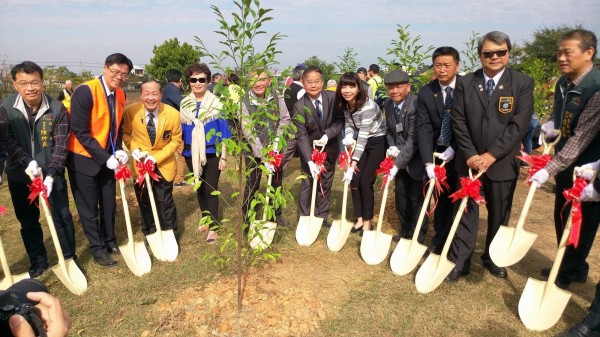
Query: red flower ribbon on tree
(145, 167)
(470, 188)
(122, 172)
(36, 188)
(536, 163)
(440, 185)
(319, 159)
(572, 195)
(384, 168)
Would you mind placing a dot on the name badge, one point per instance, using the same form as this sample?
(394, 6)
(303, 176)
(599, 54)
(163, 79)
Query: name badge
(399, 127)
(166, 135)
(506, 104)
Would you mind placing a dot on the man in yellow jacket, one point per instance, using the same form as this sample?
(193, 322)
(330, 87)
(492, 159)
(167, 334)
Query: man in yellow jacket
(152, 132)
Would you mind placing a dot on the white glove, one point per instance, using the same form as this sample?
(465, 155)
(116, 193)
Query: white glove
(112, 163)
(348, 140)
(447, 155)
(392, 151)
(548, 128)
(275, 145)
(393, 172)
(322, 141)
(348, 174)
(33, 169)
(313, 168)
(151, 159)
(121, 156)
(138, 155)
(269, 167)
(585, 171)
(430, 171)
(540, 177)
(589, 193)
(48, 183)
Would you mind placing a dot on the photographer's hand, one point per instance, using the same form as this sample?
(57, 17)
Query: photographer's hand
(56, 321)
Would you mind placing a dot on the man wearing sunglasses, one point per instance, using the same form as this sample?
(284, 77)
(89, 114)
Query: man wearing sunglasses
(491, 111)
(95, 152)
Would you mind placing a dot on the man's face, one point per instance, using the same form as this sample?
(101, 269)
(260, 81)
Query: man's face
(116, 75)
(217, 79)
(370, 72)
(362, 76)
(69, 85)
(313, 84)
(150, 95)
(262, 83)
(490, 57)
(445, 68)
(398, 92)
(572, 61)
(30, 87)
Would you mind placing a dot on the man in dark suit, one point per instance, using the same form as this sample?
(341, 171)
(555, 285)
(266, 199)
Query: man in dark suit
(296, 90)
(434, 107)
(490, 115)
(171, 95)
(400, 113)
(321, 122)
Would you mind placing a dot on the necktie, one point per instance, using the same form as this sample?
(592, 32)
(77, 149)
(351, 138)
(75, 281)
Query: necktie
(397, 114)
(446, 129)
(151, 129)
(113, 119)
(490, 88)
(319, 112)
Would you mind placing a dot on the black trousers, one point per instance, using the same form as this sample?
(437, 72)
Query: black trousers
(210, 182)
(409, 201)
(165, 205)
(363, 197)
(498, 196)
(323, 195)
(96, 205)
(253, 183)
(29, 217)
(592, 319)
(443, 214)
(574, 262)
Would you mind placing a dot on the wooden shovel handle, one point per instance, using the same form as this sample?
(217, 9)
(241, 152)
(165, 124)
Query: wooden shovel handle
(549, 146)
(152, 203)
(126, 211)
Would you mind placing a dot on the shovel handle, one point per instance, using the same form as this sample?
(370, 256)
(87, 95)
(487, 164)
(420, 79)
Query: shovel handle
(382, 207)
(4, 260)
(313, 197)
(315, 145)
(550, 145)
(437, 155)
(152, 203)
(424, 209)
(126, 211)
(269, 178)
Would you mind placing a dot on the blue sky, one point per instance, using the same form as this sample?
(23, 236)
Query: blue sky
(81, 33)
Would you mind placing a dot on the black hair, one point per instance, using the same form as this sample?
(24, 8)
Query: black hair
(26, 67)
(118, 58)
(374, 68)
(197, 68)
(173, 75)
(586, 38)
(446, 51)
(351, 79)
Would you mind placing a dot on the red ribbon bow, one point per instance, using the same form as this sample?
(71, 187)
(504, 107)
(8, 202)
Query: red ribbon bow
(275, 159)
(146, 167)
(440, 184)
(572, 195)
(344, 160)
(36, 188)
(536, 163)
(122, 172)
(319, 159)
(384, 168)
(470, 188)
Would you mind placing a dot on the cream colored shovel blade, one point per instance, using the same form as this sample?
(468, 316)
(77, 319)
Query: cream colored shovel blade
(374, 246)
(542, 304)
(406, 256)
(262, 233)
(510, 245)
(338, 234)
(432, 273)
(136, 257)
(71, 276)
(163, 245)
(308, 230)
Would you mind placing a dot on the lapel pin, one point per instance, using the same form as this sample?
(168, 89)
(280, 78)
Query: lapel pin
(480, 87)
(500, 87)
(435, 95)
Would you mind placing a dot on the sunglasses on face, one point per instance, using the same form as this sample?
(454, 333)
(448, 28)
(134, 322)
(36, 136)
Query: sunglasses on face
(199, 80)
(490, 54)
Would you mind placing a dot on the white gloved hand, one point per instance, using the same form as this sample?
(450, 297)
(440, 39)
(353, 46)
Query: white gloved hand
(48, 183)
(112, 163)
(275, 145)
(589, 193)
(151, 159)
(586, 171)
(430, 169)
(33, 169)
(348, 174)
(313, 168)
(322, 141)
(138, 155)
(348, 140)
(392, 151)
(121, 156)
(447, 155)
(548, 128)
(393, 172)
(270, 167)
(540, 177)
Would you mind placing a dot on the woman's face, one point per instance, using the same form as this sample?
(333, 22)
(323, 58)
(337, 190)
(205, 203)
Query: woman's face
(198, 83)
(349, 92)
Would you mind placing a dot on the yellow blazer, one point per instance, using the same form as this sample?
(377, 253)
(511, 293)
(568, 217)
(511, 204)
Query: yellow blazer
(168, 135)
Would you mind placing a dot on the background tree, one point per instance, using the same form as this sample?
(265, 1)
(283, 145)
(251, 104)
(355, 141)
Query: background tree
(545, 42)
(327, 68)
(171, 55)
(470, 60)
(348, 61)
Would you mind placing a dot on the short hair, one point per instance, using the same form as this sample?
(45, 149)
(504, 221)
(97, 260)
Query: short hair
(118, 58)
(351, 79)
(497, 37)
(26, 67)
(68, 82)
(374, 68)
(214, 77)
(197, 68)
(173, 75)
(298, 71)
(311, 69)
(150, 80)
(446, 51)
(586, 38)
(233, 77)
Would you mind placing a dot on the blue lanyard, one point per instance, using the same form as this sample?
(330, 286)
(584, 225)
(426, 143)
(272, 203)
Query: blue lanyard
(198, 108)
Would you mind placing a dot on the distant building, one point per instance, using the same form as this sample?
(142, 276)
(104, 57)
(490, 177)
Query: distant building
(137, 71)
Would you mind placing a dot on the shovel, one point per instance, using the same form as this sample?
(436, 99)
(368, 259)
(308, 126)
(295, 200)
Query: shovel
(309, 226)
(9, 279)
(67, 270)
(375, 245)
(542, 302)
(262, 231)
(162, 243)
(408, 253)
(510, 245)
(135, 254)
(340, 229)
(437, 267)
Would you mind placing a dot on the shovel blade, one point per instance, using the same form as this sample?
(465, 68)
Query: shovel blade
(374, 247)
(406, 256)
(163, 245)
(432, 273)
(308, 229)
(338, 234)
(71, 276)
(136, 257)
(541, 304)
(510, 245)
(262, 233)
(9, 280)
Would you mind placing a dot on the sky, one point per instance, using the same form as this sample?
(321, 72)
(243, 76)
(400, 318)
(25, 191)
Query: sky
(81, 33)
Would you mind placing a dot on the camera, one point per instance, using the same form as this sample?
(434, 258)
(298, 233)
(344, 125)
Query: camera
(14, 301)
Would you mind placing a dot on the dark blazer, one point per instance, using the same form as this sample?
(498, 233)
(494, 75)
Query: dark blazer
(430, 111)
(480, 126)
(309, 129)
(171, 95)
(291, 95)
(406, 138)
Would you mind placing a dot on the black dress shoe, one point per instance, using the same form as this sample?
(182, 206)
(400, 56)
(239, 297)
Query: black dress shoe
(38, 269)
(282, 222)
(578, 277)
(113, 250)
(326, 224)
(396, 237)
(579, 330)
(496, 271)
(356, 229)
(105, 260)
(455, 274)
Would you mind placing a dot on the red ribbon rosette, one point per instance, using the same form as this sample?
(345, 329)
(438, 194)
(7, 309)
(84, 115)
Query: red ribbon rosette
(275, 159)
(440, 185)
(384, 168)
(145, 167)
(123, 172)
(469, 188)
(36, 188)
(572, 195)
(536, 163)
(345, 159)
(319, 159)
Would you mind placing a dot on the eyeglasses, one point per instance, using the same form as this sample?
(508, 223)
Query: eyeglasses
(118, 74)
(490, 54)
(201, 80)
(24, 84)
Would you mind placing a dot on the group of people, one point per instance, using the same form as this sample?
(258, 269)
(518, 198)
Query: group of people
(475, 122)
